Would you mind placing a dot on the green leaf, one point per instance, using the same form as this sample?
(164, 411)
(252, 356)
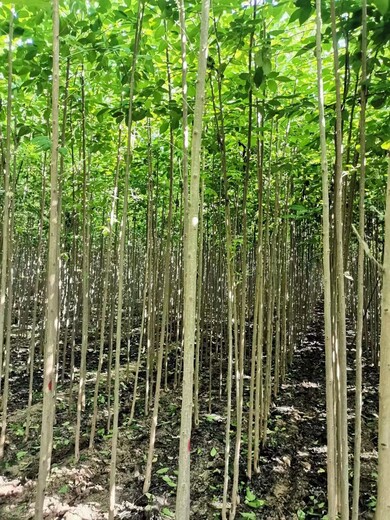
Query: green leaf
(386, 145)
(169, 481)
(64, 489)
(213, 452)
(258, 76)
(299, 208)
(272, 85)
(164, 127)
(304, 15)
(167, 512)
(19, 31)
(294, 16)
(24, 130)
(284, 79)
(138, 115)
(303, 12)
(39, 18)
(104, 6)
(32, 4)
(175, 121)
(255, 504)
(303, 4)
(378, 101)
(32, 52)
(381, 5)
(252, 501)
(42, 142)
(249, 516)
(161, 471)
(21, 454)
(250, 496)
(267, 66)
(306, 48)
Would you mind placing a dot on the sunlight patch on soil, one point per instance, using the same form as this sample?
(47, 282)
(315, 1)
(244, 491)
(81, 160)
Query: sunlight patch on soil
(9, 488)
(16, 494)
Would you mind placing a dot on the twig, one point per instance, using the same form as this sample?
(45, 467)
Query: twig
(367, 249)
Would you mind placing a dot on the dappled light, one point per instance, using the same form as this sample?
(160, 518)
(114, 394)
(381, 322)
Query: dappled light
(194, 260)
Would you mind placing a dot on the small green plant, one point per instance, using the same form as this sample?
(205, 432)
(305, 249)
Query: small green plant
(163, 472)
(172, 408)
(59, 442)
(372, 503)
(17, 429)
(252, 501)
(101, 432)
(21, 454)
(314, 509)
(105, 453)
(169, 481)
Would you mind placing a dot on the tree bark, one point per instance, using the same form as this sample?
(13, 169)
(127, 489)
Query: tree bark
(330, 417)
(190, 271)
(383, 500)
(52, 283)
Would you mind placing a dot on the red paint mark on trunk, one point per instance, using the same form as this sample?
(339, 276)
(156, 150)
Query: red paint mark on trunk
(189, 445)
(50, 385)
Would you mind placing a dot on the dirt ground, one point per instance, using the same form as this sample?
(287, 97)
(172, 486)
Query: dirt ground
(291, 483)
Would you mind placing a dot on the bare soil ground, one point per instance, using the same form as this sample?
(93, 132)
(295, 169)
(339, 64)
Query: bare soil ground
(290, 485)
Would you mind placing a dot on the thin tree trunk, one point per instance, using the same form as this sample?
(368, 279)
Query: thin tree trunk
(260, 325)
(85, 280)
(330, 418)
(190, 270)
(241, 354)
(167, 258)
(52, 284)
(360, 276)
(341, 328)
(8, 323)
(229, 270)
(121, 259)
(199, 335)
(149, 275)
(383, 499)
(31, 367)
(107, 270)
(166, 284)
(7, 198)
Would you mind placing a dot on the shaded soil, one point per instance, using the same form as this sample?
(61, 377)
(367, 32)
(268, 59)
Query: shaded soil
(292, 479)
(293, 470)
